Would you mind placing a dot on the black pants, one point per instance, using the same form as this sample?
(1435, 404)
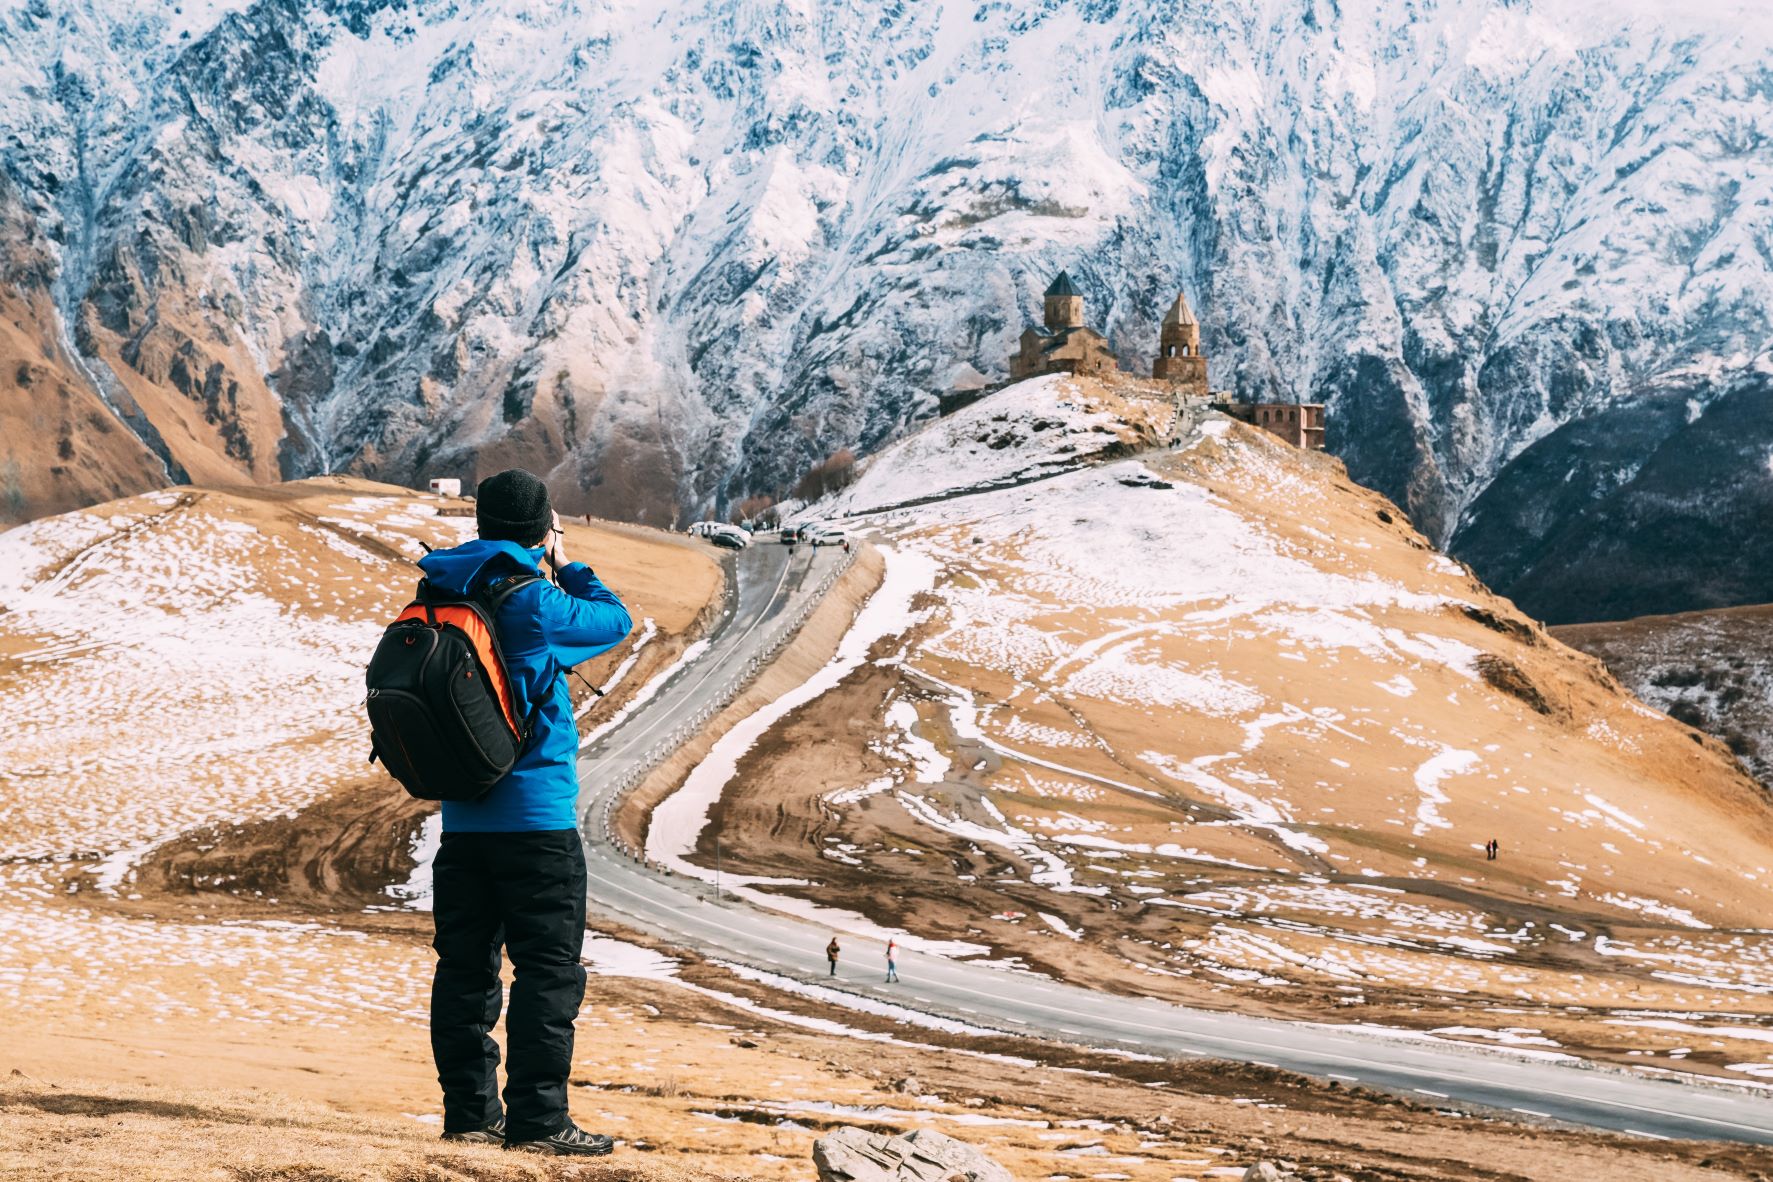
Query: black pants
(524, 892)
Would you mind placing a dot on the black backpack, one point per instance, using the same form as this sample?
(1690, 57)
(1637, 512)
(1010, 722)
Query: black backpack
(443, 708)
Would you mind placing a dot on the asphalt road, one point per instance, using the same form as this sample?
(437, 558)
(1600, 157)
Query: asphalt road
(771, 586)
(772, 582)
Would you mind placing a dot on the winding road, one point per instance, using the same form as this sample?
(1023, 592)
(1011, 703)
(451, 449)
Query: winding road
(772, 585)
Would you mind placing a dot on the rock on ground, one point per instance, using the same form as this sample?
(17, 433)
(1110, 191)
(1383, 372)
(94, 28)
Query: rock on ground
(922, 1155)
(1267, 1171)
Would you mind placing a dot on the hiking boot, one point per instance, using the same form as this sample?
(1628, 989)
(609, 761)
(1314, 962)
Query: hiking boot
(493, 1134)
(571, 1141)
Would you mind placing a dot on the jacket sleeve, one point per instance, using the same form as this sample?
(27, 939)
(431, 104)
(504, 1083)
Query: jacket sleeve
(582, 618)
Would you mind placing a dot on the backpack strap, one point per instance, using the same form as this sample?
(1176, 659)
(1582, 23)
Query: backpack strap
(491, 598)
(422, 597)
(517, 582)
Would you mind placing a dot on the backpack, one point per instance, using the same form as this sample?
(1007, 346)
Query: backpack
(443, 708)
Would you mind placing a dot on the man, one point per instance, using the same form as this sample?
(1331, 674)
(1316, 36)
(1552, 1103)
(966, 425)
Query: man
(831, 951)
(510, 871)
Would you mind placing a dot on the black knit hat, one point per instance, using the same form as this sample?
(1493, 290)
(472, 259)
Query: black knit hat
(513, 507)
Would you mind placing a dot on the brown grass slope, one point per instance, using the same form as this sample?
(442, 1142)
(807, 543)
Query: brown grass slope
(311, 546)
(1230, 797)
(696, 1080)
(234, 1013)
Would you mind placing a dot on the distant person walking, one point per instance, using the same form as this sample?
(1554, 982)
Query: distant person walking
(831, 951)
(510, 872)
(892, 962)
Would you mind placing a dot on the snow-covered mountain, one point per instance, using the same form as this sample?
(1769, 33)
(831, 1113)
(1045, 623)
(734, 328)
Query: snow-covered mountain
(672, 253)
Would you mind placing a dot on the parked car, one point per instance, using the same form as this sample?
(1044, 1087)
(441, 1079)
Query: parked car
(827, 535)
(728, 541)
(712, 529)
(731, 533)
(790, 535)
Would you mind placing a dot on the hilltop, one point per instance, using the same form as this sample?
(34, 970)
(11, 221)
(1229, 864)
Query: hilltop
(1185, 711)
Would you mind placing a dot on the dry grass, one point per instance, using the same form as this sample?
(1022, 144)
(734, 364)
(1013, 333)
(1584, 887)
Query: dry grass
(81, 1131)
(694, 1085)
(218, 1049)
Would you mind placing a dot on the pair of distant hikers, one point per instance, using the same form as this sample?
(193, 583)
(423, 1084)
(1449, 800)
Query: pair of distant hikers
(832, 951)
(510, 872)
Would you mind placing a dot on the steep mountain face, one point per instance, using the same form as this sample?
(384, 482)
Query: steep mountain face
(61, 445)
(1712, 670)
(672, 254)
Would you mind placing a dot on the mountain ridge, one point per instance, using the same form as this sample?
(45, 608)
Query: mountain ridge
(671, 258)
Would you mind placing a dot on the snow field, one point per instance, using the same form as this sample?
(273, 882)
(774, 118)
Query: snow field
(1032, 429)
(151, 645)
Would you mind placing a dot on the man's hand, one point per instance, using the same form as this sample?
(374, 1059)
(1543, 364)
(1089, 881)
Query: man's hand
(555, 552)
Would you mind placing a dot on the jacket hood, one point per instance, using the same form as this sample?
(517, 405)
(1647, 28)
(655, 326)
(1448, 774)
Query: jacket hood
(461, 569)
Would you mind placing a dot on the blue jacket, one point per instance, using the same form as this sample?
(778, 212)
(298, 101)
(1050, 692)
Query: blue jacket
(543, 630)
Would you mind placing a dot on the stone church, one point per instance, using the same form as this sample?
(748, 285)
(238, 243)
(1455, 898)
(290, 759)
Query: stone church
(1064, 344)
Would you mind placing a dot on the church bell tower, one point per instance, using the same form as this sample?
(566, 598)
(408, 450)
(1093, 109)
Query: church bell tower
(1064, 304)
(1179, 358)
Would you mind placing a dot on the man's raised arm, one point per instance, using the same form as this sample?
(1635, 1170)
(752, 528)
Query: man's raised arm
(586, 620)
